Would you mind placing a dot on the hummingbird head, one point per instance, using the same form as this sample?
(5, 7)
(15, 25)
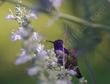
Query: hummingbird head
(58, 44)
(59, 41)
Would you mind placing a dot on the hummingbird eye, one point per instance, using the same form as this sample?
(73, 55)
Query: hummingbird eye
(59, 41)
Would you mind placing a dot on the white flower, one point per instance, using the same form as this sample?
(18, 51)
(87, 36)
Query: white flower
(63, 82)
(32, 15)
(56, 3)
(36, 36)
(32, 71)
(19, 34)
(82, 80)
(23, 32)
(42, 54)
(51, 52)
(71, 72)
(109, 1)
(53, 63)
(15, 36)
(23, 58)
(40, 47)
(51, 21)
(10, 17)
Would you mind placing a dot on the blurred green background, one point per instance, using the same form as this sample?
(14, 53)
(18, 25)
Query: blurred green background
(94, 61)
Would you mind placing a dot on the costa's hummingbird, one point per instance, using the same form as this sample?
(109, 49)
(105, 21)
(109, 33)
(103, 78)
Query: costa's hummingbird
(60, 51)
(68, 58)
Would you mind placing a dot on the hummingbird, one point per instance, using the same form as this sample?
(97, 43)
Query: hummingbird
(60, 51)
(68, 59)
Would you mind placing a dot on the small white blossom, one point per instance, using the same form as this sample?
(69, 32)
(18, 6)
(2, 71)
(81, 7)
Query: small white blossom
(56, 3)
(32, 71)
(20, 34)
(23, 58)
(53, 63)
(32, 15)
(51, 52)
(36, 36)
(15, 36)
(71, 72)
(51, 21)
(63, 82)
(42, 54)
(40, 47)
(109, 1)
(41, 51)
(10, 17)
(82, 80)
(23, 32)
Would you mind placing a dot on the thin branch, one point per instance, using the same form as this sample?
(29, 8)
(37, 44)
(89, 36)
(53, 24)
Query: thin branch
(82, 21)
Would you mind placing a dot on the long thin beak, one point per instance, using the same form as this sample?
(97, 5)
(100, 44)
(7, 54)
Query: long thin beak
(50, 41)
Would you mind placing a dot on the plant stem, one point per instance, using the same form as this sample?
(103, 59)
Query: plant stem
(82, 21)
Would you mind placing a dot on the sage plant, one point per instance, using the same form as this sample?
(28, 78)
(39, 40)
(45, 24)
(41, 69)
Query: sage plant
(44, 66)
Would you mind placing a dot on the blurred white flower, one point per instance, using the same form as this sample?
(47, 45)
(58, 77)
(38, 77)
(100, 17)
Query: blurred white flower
(45, 4)
(15, 36)
(51, 52)
(52, 20)
(36, 36)
(42, 54)
(32, 15)
(56, 3)
(32, 71)
(52, 60)
(10, 17)
(23, 58)
(53, 63)
(71, 72)
(39, 47)
(82, 80)
(109, 1)
(23, 32)
(41, 51)
(63, 82)
(48, 5)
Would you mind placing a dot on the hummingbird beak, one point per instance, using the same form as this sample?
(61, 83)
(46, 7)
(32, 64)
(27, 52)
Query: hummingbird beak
(50, 41)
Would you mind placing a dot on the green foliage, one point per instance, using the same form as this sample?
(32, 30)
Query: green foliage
(88, 39)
